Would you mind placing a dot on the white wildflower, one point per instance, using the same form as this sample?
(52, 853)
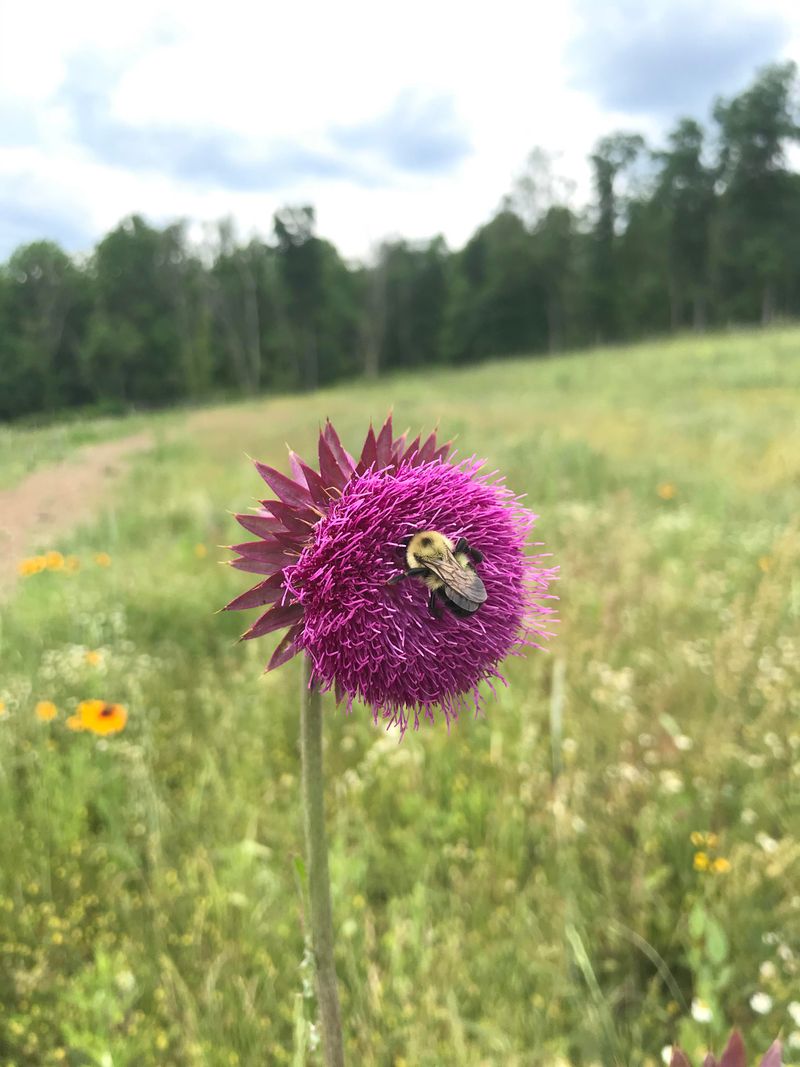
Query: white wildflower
(701, 1012)
(761, 1003)
(769, 844)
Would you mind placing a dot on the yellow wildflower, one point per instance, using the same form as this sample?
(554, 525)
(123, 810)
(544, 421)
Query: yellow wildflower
(701, 861)
(46, 711)
(102, 718)
(721, 865)
(75, 722)
(667, 491)
(102, 559)
(94, 658)
(712, 840)
(54, 561)
(697, 838)
(3, 708)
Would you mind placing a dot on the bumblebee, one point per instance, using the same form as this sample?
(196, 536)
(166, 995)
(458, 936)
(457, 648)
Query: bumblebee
(447, 569)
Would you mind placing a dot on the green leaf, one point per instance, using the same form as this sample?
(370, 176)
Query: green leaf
(716, 941)
(697, 921)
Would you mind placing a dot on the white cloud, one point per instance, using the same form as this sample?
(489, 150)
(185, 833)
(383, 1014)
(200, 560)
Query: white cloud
(202, 110)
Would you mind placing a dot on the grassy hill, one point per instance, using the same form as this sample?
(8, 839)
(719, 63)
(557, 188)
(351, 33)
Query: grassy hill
(503, 895)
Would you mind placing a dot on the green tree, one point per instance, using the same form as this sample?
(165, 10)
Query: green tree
(755, 129)
(45, 308)
(684, 198)
(613, 155)
(132, 352)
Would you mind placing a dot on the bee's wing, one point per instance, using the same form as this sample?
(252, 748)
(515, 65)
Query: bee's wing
(461, 584)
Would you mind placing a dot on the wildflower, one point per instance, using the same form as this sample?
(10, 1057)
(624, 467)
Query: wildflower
(75, 722)
(46, 711)
(72, 564)
(102, 718)
(701, 1012)
(733, 1055)
(333, 539)
(54, 561)
(94, 658)
(697, 838)
(721, 865)
(3, 708)
(761, 1003)
(200, 551)
(102, 559)
(701, 861)
(667, 491)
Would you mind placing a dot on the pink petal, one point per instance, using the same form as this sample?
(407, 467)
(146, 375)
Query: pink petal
(332, 474)
(287, 648)
(268, 551)
(296, 520)
(773, 1056)
(428, 449)
(257, 566)
(709, 1061)
(343, 458)
(260, 525)
(411, 451)
(734, 1054)
(274, 619)
(678, 1059)
(289, 492)
(383, 447)
(369, 453)
(316, 487)
(266, 592)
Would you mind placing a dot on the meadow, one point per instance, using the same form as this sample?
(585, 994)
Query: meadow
(557, 882)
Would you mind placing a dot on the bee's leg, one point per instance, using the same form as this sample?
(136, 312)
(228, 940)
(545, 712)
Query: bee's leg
(463, 546)
(415, 572)
(433, 603)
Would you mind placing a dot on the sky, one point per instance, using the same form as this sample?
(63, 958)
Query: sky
(392, 120)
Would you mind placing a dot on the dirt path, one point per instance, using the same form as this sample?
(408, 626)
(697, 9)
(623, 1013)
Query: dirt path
(52, 501)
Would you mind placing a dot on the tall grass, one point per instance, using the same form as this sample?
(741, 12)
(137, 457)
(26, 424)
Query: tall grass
(503, 895)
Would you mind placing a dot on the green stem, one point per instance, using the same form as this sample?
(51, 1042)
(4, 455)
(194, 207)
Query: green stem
(319, 887)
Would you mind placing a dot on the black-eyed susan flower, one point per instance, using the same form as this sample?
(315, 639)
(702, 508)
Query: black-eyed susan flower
(46, 711)
(102, 718)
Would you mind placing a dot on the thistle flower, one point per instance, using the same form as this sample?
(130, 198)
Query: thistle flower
(336, 535)
(733, 1055)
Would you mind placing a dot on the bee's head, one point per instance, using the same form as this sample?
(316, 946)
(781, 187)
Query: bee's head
(427, 545)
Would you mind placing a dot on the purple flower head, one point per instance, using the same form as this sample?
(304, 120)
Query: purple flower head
(336, 536)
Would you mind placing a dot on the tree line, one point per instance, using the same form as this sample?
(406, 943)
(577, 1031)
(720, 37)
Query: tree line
(702, 231)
